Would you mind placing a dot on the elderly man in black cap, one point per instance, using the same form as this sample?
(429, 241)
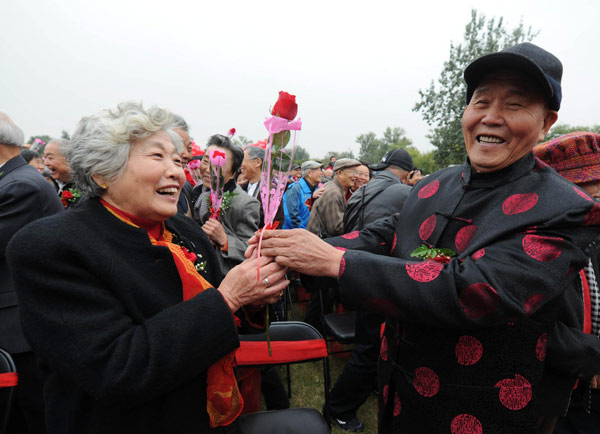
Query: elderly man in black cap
(377, 199)
(471, 272)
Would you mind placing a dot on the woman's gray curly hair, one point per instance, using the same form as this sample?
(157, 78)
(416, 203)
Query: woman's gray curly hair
(101, 143)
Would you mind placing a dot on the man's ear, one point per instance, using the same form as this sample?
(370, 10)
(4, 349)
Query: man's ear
(549, 119)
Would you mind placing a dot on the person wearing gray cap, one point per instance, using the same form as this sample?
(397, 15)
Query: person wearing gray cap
(295, 199)
(471, 273)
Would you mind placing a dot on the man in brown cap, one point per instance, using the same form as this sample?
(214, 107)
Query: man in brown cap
(327, 214)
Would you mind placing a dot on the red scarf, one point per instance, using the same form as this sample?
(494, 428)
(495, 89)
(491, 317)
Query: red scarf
(224, 401)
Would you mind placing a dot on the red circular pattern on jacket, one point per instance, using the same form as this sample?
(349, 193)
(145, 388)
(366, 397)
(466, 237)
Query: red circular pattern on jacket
(426, 382)
(341, 248)
(542, 248)
(540, 347)
(397, 405)
(427, 227)
(383, 350)
(519, 203)
(342, 266)
(466, 424)
(515, 393)
(424, 271)
(386, 391)
(583, 194)
(350, 235)
(478, 254)
(532, 303)
(394, 242)
(478, 300)
(429, 190)
(464, 236)
(593, 216)
(468, 350)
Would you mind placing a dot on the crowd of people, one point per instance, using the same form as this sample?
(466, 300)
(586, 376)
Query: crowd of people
(475, 290)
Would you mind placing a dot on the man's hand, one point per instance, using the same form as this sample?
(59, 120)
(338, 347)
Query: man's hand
(215, 232)
(595, 383)
(318, 192)
(298, 250)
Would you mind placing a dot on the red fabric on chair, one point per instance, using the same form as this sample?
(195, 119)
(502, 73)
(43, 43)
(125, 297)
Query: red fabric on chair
(9, 379)
(257, 353)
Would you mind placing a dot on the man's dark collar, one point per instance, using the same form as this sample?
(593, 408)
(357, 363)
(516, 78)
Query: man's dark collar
(500, 177)
(10, 165)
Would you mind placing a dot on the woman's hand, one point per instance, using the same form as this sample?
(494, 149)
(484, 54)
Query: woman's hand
(299, 250)
(215, 232)
(241, 287)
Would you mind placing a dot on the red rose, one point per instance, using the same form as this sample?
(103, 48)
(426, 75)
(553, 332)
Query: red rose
(67, 195)
(286, 106)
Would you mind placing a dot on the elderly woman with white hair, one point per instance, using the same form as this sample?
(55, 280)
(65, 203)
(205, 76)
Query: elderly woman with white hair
(123, 301)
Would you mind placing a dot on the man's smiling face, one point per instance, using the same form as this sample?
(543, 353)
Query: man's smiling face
(504, 120)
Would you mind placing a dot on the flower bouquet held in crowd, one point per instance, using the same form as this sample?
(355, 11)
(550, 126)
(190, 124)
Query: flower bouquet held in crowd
(217, 160)
(277, 164)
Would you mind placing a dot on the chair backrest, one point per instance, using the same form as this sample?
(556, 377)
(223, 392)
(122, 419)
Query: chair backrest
(291, 342)
(8, 379)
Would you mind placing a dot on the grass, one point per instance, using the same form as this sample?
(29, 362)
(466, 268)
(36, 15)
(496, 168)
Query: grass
(308, 391)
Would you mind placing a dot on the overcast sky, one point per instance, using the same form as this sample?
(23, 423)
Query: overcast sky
(354, 66)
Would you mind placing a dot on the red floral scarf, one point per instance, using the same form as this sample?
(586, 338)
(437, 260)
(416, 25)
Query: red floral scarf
(224, 401)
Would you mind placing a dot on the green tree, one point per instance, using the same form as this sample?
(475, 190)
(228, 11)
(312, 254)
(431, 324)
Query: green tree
(560, 129)
(242, 141)
(44, 138)
(346, 154)
(65, 135)
(424, 161)
(300, 155)
(373, 148)
(442, 105)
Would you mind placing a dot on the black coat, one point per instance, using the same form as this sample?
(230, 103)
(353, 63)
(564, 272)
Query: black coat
(465, 342)
(381, 197)
(102, 308)
(25, 196)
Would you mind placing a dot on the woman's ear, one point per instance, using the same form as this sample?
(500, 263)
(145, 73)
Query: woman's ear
(100, 181)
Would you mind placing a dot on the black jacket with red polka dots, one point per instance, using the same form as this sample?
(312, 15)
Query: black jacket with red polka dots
(465, 341)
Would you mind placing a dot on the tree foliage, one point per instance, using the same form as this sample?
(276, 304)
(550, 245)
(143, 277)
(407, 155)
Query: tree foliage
(372, 148)
(300, 155)
(560, 129)
(242, 141)
(442, 104)
(44, 138)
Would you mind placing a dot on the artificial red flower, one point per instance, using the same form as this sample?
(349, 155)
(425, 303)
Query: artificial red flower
(67, 195)
(231, 132)
(286, 106)
(443, 259)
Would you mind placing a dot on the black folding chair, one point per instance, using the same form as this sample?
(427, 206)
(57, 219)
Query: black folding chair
(8, 379)
(291, 342)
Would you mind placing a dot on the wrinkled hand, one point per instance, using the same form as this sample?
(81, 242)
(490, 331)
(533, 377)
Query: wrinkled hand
(240, 286)
(300, 250)
(215, 232)
(318, 192)
(595, 383)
